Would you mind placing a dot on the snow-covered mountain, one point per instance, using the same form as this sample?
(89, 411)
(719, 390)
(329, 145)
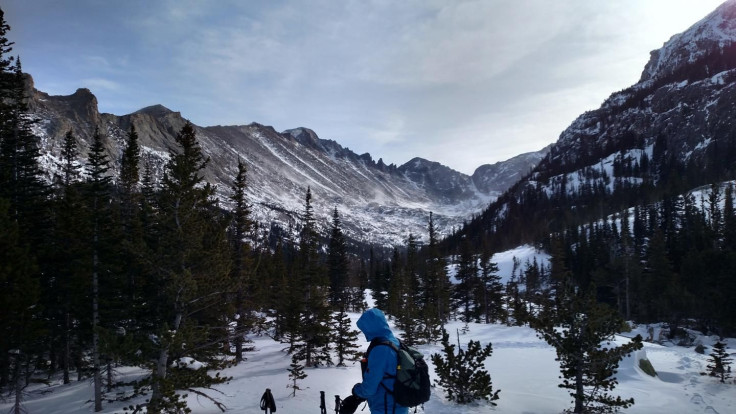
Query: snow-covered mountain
(378, 203)
(673, 128)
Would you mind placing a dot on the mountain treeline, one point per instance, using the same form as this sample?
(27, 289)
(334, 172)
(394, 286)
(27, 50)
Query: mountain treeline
(649, 226)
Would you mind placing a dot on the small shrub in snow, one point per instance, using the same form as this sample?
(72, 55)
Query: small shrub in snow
(719, 363)
(463, 375)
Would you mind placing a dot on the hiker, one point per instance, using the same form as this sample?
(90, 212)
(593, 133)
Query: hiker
(378, 371)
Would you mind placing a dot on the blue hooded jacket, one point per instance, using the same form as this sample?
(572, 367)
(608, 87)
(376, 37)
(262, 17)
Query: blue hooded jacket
(382, 361)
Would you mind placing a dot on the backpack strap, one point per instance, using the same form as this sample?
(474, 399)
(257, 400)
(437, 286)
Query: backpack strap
(374, 343)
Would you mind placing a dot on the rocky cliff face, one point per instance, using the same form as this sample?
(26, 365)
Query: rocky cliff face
(673, 129)
(378, 203)
(685, 102)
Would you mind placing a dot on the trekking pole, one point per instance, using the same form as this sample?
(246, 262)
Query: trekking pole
(322, 405)
(338, 403)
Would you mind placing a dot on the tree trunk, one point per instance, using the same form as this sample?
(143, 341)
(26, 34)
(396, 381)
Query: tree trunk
(17, 385)
(95, 333)
(239, 325)
(109, 375)
(161, 368)
(67, 348)
(579, 390)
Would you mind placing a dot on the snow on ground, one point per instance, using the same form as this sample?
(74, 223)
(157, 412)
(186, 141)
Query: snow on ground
(522, 366)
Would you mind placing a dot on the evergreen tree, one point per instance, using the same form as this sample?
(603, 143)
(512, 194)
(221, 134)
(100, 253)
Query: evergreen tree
(241, 273)
(407, 319)
(66, 260)
(130, 164)
(491, 289)
(190, 264)
(729, 220)
(436, 289)
(345, 338)
(20, 332)
(577, 326)
(97, 193)
(21, 178)
(337, 261)
(314, 327)
(296, 374)
(468, 284)
(463, 375)
(719, 363)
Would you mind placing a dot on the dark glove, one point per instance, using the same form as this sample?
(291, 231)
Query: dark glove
(350, 404)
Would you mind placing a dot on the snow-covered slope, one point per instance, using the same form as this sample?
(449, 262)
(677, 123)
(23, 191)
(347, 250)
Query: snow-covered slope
(714, 32)
(379, 204)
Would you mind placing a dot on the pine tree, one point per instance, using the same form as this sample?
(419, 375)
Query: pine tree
(68, 251)
(719, 363)
(436, 289)
(465, 290)
(345, 337)
(21, 178)
(296, 374)
(491, 290)
(337, 261)
(190, 264)
(20, 331)
(407, 319)
(577, 326)
(463, 375)
(314, 329)
(241, 226)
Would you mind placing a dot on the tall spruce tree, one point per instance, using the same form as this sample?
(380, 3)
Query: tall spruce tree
(464, 291)
(436, 288)
(314, 329)
(337, 262)
(67, 252)
(97, 192)
(491, 289)
(191, 266)
(242, 278)
(407, 318)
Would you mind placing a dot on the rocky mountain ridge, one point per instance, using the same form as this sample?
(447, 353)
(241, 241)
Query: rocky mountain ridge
(670, 132)
(379, 203)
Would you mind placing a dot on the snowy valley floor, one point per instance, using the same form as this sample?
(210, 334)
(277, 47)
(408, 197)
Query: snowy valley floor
(522, 366)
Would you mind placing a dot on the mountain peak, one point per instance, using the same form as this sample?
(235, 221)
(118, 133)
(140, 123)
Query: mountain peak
(714, 32)
(304, 136)
(155, 110)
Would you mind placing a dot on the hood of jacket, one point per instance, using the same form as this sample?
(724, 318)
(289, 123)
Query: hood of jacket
(373, 324)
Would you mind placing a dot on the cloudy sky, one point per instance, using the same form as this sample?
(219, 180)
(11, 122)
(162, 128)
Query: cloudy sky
(461, 82)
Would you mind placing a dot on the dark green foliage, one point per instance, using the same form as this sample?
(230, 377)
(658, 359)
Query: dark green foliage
(463, 374)
(296, 374)
(314, 320)
(464, 292)
(719, 363)
(337, 261)
(434, 289)
(580, 328)
(407, 315)
(491, 291)
(190, 263)
(345, 338)
(242, 276)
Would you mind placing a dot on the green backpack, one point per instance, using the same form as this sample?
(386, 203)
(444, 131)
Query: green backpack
(411, 385)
